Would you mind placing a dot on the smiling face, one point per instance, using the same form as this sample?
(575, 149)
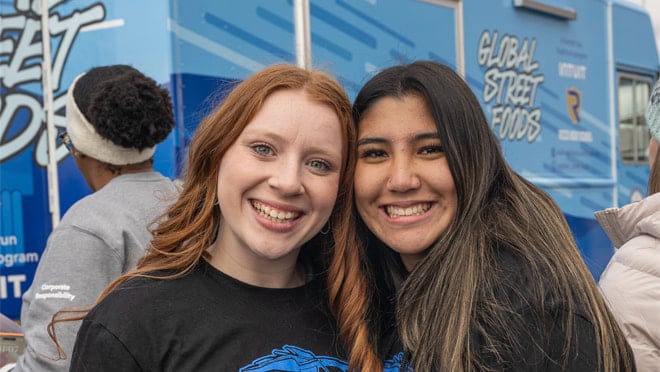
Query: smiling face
(277, 185)
(404, 190)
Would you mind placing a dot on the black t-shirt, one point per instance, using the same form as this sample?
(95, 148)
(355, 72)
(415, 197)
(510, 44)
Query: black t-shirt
(208, 321)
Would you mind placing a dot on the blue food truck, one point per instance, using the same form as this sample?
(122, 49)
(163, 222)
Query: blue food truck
(564, 84)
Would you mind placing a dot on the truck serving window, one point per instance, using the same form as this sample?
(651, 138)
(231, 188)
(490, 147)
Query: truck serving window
(633, 135)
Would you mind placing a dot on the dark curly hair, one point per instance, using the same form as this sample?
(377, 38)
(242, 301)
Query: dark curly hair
(125, 106)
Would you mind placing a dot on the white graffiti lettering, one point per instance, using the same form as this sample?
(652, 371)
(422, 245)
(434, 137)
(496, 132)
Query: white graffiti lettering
(22, 117)
(516, 122)
(507, 55)
(518, 88)
(510, 85)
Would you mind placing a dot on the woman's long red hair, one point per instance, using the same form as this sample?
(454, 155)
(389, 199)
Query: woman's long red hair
(181, 239)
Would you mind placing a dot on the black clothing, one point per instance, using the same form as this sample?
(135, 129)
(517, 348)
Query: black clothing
(208, 321)
(533, 336)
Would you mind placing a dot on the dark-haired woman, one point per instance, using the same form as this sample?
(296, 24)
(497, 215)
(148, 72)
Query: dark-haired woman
(486, 274)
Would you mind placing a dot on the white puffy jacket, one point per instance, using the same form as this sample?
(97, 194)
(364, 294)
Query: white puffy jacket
(631, 281)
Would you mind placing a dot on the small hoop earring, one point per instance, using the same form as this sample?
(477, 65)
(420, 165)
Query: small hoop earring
(326, 229)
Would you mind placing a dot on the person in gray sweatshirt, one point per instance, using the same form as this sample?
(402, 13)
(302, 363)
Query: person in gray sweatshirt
(115, 116)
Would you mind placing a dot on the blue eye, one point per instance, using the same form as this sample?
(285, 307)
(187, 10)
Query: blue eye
(262, 149)
(320, 165)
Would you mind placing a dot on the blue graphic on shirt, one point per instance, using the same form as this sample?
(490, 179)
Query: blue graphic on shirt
(394, 364)
(292, 358)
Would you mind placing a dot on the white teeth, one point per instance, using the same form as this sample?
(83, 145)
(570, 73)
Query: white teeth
(274, 214)
(410, 211)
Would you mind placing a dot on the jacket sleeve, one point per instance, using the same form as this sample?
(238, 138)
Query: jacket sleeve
(631, 286)
(75, 268)
(97, 349)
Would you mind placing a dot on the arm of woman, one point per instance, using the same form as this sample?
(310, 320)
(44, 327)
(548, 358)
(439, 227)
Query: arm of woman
(75, 268)
(631, 286)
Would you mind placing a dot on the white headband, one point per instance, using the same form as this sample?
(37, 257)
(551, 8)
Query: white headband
(85, 138)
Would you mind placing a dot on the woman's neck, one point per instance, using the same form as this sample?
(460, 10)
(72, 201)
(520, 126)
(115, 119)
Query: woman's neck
(286, 272)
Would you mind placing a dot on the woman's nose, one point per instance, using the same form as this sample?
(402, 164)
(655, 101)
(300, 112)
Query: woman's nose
(287, 179)
(403, 177)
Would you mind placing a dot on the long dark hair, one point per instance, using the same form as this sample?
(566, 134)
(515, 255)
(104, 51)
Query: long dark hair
(456, 291)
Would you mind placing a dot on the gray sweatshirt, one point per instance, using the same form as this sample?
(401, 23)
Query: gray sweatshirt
(100, 237)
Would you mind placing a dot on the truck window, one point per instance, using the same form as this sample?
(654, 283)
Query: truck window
(633, 135)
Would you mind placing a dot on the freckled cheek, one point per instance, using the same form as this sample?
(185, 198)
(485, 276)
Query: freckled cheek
(443, 180)
(366, 196)
(450, 198)
(324, 195)
(446, 184)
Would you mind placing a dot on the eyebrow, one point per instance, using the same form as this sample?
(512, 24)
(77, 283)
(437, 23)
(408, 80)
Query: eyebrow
(276, 137)
(415, 138)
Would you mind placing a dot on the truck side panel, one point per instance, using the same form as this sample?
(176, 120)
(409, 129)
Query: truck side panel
(545, 82)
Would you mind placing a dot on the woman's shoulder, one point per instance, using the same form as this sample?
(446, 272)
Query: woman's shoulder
(156, 294)
(640, 254)
(136, 293)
